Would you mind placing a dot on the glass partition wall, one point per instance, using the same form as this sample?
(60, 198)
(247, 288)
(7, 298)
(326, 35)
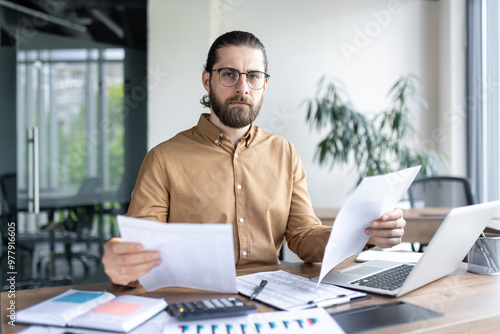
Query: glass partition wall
(74, 98)
(70, 151)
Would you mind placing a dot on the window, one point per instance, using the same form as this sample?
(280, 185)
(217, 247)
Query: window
(483, 98)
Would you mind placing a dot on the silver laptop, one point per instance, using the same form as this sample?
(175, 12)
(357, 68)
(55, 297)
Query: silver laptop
(451, 243)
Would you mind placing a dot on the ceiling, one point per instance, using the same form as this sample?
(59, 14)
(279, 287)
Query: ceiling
(117, 22)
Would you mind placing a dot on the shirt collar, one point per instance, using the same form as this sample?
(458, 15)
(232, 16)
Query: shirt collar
(216, 135)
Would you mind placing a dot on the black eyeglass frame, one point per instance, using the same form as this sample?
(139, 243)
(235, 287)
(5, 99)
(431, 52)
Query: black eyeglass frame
(267, 76)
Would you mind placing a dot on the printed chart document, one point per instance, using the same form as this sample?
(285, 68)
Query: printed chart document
(90, 309)
(287, 291)
(374, 196)
(313, 321)
(199, 256)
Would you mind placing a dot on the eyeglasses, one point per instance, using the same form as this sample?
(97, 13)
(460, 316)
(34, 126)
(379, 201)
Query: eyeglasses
(229, 77)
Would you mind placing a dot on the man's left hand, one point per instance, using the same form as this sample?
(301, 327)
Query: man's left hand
(388, 230)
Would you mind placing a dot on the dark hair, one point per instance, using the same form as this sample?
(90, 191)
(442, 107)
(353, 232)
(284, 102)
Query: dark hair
(232, 38)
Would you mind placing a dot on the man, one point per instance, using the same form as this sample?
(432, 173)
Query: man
(227, 170)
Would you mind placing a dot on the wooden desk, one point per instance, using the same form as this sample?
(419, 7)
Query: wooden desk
(421, 224)
(470, 301)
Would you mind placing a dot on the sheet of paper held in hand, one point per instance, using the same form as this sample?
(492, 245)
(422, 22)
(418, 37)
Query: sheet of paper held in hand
(287, 291)
(199, 256)
(374, 196)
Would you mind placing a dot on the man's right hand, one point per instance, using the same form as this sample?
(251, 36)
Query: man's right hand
(125, 262)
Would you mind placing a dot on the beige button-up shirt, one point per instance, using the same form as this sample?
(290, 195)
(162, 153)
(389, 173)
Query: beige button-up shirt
(259, 187)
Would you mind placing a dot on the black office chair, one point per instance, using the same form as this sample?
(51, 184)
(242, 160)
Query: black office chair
(119, 206)
(75, 230)
(25, 243)
(79, 224)
(440, 191)
(8, 186)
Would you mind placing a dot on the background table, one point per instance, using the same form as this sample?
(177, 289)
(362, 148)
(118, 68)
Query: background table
(421, 224)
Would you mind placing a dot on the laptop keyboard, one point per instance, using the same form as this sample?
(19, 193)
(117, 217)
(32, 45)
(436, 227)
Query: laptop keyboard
(390, 279)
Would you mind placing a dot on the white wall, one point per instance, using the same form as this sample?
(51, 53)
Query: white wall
(304, 41)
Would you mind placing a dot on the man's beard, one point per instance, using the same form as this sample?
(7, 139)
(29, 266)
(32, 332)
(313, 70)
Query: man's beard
(234, 117)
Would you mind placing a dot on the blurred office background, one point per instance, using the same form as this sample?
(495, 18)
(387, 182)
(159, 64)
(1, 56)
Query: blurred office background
(102, 82)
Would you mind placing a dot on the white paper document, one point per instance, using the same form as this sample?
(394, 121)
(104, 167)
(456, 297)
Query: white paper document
(287, 291)
(199, 256)
(374, 196)
(313, 321)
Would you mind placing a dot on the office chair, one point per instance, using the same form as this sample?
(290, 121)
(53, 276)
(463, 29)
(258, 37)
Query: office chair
(76, 229)
(119, 206)
(8, 186)
(25, 242)
(80, 222)
(440, 191)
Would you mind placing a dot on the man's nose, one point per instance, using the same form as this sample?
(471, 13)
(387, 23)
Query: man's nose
(242, 85)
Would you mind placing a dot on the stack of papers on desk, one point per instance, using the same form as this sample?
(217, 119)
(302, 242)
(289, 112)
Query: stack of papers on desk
(287, 291)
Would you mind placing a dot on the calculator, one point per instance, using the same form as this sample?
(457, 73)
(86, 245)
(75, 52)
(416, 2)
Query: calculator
(210, 308)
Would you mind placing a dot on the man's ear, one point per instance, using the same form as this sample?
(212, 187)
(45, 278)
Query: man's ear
(205, 79)
(265, 85)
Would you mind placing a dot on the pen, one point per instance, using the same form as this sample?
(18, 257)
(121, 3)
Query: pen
(323, 302)
(328, 302)
(258, 289)
(483, 246)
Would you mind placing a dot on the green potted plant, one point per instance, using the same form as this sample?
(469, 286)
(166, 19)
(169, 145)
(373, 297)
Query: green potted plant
(377, 144)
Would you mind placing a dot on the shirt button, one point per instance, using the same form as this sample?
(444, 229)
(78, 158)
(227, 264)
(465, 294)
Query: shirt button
(244, 253)
(238, 186)
(220, 135)
(242, 220)
(236, 155)
(217, 141)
